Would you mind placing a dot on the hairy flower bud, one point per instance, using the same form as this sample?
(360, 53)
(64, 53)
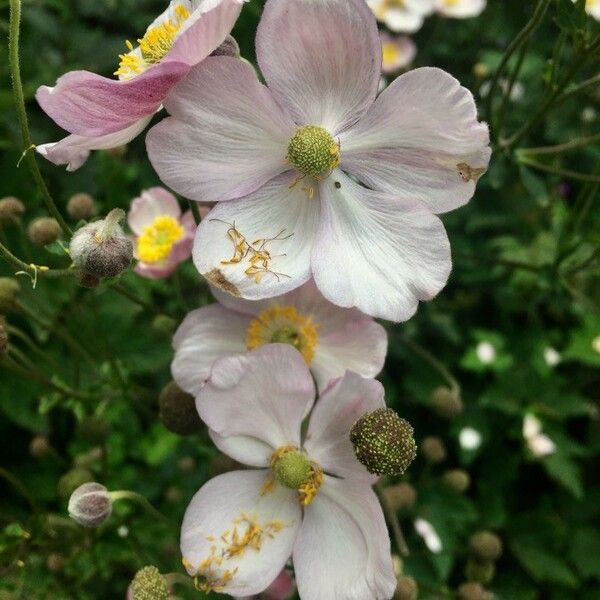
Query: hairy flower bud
(178, 410)
(401, 496)
(71, 480)
(90, 505)
(485, 546)
(383, 442)
(407, 588)
(473, 591)
(80, 206)
(446, 403)
(101, 250)
(39, 447)
(481, 572)
(149, 584)
(11, 209)
(9, 288)
(433, 450)
(43, 231)
(457, 480)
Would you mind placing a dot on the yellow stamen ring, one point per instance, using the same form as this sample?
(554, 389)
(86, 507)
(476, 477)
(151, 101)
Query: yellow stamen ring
(157, 239)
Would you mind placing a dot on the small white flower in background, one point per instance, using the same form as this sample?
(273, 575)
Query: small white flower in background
(402, 15)
(469, 438)
(398, 52)
(532, 426)
(516, 93)
(432, 540)
(123, 531)
(588, 114)
(551, 356)
(539, 444)
(486, 352)
(460, 9)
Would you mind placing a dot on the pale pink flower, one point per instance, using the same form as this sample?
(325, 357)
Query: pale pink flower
(163, 236)
(430, 536)
(406, 15)
(331, 339)
(288, 160)
(102, 113)
(460, 9)
(538, 442)
(310, 499)
(397, 52)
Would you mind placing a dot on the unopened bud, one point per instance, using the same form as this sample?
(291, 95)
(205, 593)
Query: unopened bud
(9, 288)
(178, 410)
(87, 459)
(485, 546)
(164, 324)
(383, 442)
(43, 231)
(149, 584)
(71, 480)
(3, 338)
(446, 403)
(90, 505)
(94, 428)
(480, 70)
(39, 447)
(55, 562)
(101, 250)
(228, 48)
(80, 206)
(433, 450)
(481, 572)
(186, 464)
(407, 588)
(473, 591)
(457, 480)
(173, 495)
(401, 496)
(11, 209)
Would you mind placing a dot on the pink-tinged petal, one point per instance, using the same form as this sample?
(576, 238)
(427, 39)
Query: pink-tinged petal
(226, 136)
(152, 203)
(339, 407)
(74, 150)
(342, 551)
(224, 506)
(420, 141)
(376, 253)
(265, 394)
(153, 271)
(321, 59)
(91, 105)
(281, 589)
(205, 335)
(281, 220)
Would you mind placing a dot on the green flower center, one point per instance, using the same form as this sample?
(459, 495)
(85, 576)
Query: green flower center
(293, 469)
(313, 151)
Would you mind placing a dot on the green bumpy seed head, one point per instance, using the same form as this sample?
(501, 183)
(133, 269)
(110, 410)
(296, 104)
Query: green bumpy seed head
(313, 151)
(383, 442)
(293, 469)
(149, 584)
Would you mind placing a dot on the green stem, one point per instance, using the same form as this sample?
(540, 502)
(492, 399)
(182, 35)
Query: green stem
(195, 211)
(558, 170)
(31, 269)
(127, 293)
(392, 519)
(16, 483)
(578, 143)
(139, 499)
(511, 85)
(17, 86)
(576, 89)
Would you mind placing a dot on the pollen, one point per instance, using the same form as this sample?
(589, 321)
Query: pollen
(313, 151)
(284, 325)
(157, 240)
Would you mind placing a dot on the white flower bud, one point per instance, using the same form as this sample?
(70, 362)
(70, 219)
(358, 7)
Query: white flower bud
(90, 504)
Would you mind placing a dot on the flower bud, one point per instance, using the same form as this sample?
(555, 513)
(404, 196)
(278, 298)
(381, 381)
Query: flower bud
(101, 250)
(164, 324)
(9, 288)
(401, 496)
(473, 591)
(229, 47)
(173, 494)
(446, 403)
(94, 428)
(481, 70)
(457, 480)
(55, 562)
(80, 206)
(71, 480)
(3, 338)
(90, 505)
(485, 546)
(481, 572)
(43, 231)
(383, 442)
(406, 589)
(11, 209)
(177, 410)
(433, 450)
(149, 584)
(186, 464)
(39, 447)
(87, 459)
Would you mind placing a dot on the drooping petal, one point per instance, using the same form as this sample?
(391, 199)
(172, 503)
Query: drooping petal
(74, 150)
(342, 551)
(259, 246)
(226, 136)
(265, 394)
(321, 59)
(420, 141)
(338, 408)
(376, 253)
(90, 105)
(236, 538)
(152, 203)
(205, 335)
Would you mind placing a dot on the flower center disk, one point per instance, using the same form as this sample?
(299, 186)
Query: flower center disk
(293, 469)
(157, 240)
(313, 151)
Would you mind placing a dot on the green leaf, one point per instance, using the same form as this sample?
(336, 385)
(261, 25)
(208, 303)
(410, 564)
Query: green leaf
(585, 552)
(565, 472)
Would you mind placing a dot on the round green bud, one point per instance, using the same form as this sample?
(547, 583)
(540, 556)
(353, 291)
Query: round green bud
(457, 480)
(164, 324)
(485, 546)
(446, 403)
(313, 151)
(383, 442)
(9, 288)
(39, 447)
(11, 209)
(407, 588)
(481, 572)
(149, 584)
(177, 410)
(43, 231)
(473, 591)
(401, 496)
(71, 480)
(173, 495)
(293, 469)
(80, 206)
(94, 428)
(433, 450)
(90, 504)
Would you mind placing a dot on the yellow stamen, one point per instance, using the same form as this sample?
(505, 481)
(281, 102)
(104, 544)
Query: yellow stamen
(158, 238)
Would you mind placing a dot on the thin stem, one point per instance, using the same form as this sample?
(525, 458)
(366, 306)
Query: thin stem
(195, 211)
(578, 143)
(559, 171)
(20, 487)
(392, 519)
(511, 85)
(127, 293)
(139, 499)
(34, 270)
(17, 86)
(592, 81)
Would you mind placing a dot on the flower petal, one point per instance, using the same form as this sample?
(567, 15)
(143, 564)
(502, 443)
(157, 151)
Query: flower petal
(226, 136)
(338, 408)
(152, 203)
(275, 219)
(342, 551)
(376, 253)
(90, 105)
(321, 59)
(265, 394)
(461, 9)
(420, 141)
(205, 335)
(222, 509)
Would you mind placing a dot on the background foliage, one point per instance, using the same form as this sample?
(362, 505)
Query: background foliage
(525, 279)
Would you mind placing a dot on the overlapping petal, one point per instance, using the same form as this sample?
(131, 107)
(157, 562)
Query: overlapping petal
(152, 203)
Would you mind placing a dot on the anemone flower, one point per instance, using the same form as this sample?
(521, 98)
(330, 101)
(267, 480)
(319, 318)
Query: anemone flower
(397, 52)
(331, 339)
(460, 9)
(102, 113)
(318, 177)
(306, 498)
(402, 15)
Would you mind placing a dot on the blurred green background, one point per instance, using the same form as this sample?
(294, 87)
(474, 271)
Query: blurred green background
(525, 280)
